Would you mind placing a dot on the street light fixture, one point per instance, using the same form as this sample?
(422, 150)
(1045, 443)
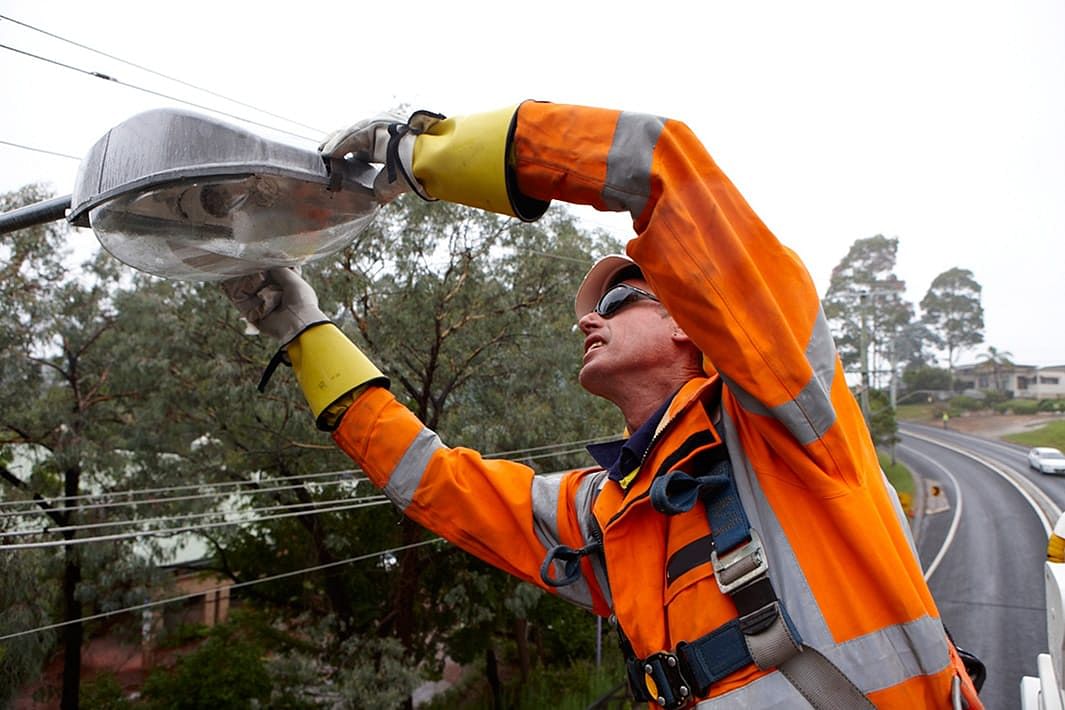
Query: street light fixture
(185, 196)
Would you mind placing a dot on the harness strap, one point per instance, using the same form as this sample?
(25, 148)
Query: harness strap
(762, 633)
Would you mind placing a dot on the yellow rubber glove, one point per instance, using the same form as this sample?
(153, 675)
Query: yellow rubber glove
(461, 159)
(328, 366)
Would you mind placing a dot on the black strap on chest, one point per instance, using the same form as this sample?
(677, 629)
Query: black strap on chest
(761, 634)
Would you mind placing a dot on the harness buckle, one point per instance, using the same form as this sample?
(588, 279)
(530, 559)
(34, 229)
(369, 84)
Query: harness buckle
(665, 681)
(740, 565)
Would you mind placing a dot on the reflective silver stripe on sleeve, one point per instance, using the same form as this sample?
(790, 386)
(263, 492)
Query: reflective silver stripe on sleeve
(545, 495)
(628, 164)
(878, 660)
(545, 492)
(893, 654)
(407, 474)
(810, 413)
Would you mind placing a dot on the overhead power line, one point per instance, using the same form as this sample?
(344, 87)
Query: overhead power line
(106, 77)
(237, 585)
(161, 74)
(107, 500)
(190, 487)
(166, 500)
(39, 150)
(181, 529)
(309, 506)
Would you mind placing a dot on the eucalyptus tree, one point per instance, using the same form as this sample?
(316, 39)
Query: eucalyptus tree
(63, 410)
(866, 309)
(953, 313)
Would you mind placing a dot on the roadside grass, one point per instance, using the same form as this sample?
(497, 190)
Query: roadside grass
(901, 478)
(1052, 434)
(917, 412)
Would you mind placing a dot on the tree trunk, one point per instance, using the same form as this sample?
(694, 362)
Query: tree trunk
(338, 592)
(407, 586)
(521, 638)
(72, 633)
(491, 670)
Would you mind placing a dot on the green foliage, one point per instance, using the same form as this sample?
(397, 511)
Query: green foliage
(226, 672)
(864, 303)
(961, 403)
(375, 673)
(900, 477)
(182, 635)
(926, 377)
(1051, 405)
(882, 424)
(103, 692)
(1016, 406)
(1053, 434)
(952, 311)
(24, 604)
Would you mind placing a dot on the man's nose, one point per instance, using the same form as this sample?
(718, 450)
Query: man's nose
(589, 321)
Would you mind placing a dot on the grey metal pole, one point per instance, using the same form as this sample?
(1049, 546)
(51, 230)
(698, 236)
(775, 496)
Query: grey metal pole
(32, 215)
(598, 641)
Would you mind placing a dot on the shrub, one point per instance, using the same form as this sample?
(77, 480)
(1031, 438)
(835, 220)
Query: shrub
(1017, 406)
(102, 693)
(962, 403)
(225, 673)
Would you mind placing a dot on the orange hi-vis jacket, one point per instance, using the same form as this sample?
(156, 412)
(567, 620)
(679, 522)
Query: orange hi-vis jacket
(837, 544)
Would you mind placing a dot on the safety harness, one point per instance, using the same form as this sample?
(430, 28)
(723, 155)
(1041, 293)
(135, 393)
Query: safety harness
(762, 633)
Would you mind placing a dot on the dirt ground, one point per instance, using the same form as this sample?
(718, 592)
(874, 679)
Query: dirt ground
(998, 425)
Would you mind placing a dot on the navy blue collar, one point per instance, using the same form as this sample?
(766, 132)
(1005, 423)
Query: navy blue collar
(623, 456)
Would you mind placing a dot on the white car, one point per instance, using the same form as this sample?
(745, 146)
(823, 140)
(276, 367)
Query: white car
(1046, 460)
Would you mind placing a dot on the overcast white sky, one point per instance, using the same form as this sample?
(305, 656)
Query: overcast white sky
(941, 123)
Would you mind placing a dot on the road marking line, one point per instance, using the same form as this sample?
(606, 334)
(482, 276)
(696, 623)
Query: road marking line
(1020, 483)
(954, 522)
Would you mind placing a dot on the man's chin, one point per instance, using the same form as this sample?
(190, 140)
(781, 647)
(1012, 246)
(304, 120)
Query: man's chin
(591, 380)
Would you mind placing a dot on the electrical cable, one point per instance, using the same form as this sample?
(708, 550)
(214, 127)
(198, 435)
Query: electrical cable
(236, 585)
(40, 150)
(181, 529)
(161, 74)
(132, 522)
(544, 452)
(321, 506)
(191, 487)
(164, 500)
(106, 77)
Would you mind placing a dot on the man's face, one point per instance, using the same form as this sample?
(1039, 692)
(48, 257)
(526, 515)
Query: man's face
(618, 349)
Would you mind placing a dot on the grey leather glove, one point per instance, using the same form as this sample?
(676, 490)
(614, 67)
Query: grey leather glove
(279, 303)
(387, 140)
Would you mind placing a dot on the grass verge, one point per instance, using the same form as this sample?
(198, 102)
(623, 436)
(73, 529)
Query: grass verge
(901, 479)
(1053, 434)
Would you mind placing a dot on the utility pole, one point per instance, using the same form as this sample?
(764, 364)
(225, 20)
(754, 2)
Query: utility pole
(863, 354)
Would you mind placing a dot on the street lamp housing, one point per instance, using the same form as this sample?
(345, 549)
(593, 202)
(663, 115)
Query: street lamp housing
(185, 196)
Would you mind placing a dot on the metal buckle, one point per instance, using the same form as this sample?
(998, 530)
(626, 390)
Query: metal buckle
(669, 671)
(725, 565)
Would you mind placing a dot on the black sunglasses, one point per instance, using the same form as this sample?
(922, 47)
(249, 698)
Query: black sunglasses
(617, 297)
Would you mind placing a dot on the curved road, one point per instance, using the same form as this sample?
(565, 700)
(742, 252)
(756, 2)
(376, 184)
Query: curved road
(982, 544)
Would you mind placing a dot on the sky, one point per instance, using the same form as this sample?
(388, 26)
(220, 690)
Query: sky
(939, 122)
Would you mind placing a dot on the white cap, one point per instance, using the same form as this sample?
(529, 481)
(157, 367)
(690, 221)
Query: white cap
(597, 280)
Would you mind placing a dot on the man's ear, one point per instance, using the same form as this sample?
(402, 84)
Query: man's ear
(679, 336)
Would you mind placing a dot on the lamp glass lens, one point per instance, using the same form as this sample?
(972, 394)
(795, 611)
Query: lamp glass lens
(216, 228)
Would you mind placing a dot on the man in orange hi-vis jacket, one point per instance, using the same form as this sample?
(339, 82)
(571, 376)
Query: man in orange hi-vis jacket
(743, 537)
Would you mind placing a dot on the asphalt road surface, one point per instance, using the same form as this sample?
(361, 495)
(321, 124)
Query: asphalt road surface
(981, 531)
